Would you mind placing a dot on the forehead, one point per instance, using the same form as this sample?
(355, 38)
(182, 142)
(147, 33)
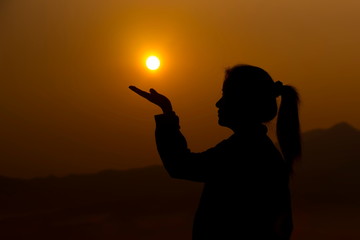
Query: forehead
(231, 87)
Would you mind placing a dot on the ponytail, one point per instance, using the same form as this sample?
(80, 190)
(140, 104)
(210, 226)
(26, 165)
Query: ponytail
(288, 126)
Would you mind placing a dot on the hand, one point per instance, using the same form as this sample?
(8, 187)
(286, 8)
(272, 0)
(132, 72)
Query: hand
(155, 97)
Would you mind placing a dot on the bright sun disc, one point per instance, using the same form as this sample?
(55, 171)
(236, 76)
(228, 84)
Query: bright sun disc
(152, 63)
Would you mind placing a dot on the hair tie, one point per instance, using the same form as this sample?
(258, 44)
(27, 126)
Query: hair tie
(278, 88)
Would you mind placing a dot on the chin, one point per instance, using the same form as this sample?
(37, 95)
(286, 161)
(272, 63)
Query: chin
(221, 122)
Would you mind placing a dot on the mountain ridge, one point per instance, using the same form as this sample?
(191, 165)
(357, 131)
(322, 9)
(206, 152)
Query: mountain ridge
(342, 129)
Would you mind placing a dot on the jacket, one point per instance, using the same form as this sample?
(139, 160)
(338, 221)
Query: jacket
(246, 191)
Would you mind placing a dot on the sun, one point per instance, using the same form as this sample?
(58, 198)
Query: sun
(153, 63)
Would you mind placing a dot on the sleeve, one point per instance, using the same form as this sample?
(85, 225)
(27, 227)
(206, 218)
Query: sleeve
(178, 160)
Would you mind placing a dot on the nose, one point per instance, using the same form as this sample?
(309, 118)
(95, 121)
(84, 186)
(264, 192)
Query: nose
(219, 103)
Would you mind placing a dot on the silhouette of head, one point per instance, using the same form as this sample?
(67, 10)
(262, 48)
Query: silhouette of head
(249, 97)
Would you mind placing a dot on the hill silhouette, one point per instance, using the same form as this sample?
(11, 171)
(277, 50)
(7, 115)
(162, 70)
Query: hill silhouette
(134, 204)
(146, 204)
(326, 191)
(330, 161)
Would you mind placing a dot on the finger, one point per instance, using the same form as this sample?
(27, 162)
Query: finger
(133, 88)
(140, 92)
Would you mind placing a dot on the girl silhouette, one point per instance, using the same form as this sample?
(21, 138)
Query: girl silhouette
(246, 179)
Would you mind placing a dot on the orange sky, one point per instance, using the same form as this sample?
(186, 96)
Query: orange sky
(65, 68)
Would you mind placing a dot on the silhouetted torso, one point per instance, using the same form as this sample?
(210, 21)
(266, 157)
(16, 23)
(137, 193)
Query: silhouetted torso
(246, 193)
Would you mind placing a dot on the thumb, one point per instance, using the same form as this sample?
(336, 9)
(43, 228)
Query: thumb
(153, 91)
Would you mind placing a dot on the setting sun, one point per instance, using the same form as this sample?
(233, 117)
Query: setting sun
(153, 62)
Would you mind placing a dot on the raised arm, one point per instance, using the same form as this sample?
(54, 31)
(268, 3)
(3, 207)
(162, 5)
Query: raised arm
(178, 160)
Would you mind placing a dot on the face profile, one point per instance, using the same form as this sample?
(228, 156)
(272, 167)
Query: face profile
(247, 97)
(229, 111)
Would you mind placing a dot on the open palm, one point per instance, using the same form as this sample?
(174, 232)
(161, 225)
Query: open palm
(154, 97)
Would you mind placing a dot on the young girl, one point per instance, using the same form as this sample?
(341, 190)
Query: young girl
(246, 179)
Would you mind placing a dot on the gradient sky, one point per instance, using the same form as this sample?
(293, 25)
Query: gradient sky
(65, 67)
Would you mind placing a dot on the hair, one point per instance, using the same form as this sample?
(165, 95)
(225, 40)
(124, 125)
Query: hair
(261, 92)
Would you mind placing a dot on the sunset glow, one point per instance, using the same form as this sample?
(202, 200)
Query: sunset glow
(153, 63)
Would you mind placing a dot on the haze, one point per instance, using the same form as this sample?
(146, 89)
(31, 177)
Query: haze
(65, 68)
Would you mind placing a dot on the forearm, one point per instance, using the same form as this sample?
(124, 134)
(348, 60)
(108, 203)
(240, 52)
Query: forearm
(178, 160)
(171, 144)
